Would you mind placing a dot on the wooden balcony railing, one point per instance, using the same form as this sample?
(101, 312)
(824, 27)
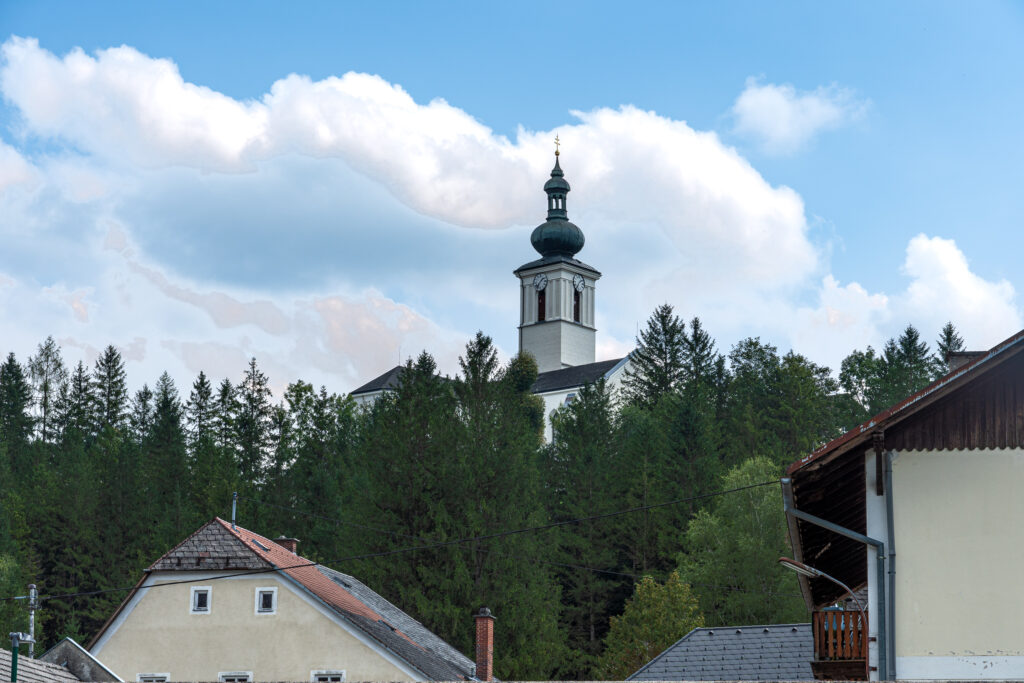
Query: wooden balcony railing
(840, 635)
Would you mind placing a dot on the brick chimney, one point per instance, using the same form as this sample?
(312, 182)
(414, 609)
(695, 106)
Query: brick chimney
(289, 544)
(484, 645)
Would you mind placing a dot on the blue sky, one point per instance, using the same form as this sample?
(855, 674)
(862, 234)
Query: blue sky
(818, 175)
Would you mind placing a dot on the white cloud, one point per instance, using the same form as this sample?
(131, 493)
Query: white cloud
(782, 119)
(14, 168)
(941, 289)
(322, 275)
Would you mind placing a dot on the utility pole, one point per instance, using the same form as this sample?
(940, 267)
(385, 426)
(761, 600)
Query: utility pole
(16, 639)
(33, 605)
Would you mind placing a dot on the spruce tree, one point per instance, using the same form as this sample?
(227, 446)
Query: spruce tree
(949, 342)
(253, 423)
(141, 418)
(166, 466)
(585, 478)
(657, 364)
(48, 375)
(15, 420)
(208, 423)
(110, 390)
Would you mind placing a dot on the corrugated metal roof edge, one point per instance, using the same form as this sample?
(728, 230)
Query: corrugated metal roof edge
(865, 429)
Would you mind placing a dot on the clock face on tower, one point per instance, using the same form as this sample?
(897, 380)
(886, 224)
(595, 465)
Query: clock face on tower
(578, 282)
(540, 282)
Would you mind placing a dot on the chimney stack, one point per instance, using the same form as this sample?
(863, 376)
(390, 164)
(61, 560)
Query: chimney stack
(289, 544)
(484, 645)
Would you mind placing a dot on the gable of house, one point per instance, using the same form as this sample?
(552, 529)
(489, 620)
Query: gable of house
(979, 405)
(316, 619)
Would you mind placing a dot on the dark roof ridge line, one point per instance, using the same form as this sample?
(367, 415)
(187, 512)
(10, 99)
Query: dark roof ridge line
(875, 422)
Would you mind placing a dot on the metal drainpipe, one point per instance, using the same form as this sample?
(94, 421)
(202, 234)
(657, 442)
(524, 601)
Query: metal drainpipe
(891, 589)
(879, 546)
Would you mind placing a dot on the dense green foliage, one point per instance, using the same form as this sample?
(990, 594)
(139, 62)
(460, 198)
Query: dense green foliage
(98, 482)
(653, 619)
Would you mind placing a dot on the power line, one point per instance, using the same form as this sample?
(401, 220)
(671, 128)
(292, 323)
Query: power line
(429, 546)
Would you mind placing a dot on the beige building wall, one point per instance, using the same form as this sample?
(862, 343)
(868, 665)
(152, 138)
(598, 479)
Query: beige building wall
(959, 527)
(158, 634)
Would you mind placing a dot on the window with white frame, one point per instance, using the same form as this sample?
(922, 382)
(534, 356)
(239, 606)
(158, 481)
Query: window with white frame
(266, 600)
(327, 676)
(235, 677)
(153, 678)
(200, 600)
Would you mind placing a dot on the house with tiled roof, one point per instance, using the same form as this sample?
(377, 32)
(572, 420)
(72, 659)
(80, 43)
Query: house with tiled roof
(227, 604)
(47, 671)
(921, 505)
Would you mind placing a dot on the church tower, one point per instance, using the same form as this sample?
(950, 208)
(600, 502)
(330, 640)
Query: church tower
(556, 292)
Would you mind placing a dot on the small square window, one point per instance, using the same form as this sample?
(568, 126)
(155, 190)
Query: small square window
(200, 599)
(235, 677)
(266, 600)
(327, 676)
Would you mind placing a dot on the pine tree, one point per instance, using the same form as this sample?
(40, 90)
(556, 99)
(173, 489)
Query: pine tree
(166, 467)
(657, 363)
(949, 342)
(48, 375)
(15, 421)
(141, 418)
(110, 390)
(700, 359)
(253, 424)
(585, 479)
(209, 430)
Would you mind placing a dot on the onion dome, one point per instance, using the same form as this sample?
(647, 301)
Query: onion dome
(557, 236)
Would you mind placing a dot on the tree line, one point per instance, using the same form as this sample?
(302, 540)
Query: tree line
(97, 483)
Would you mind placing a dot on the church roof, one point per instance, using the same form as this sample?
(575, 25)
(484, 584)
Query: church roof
(557, 258)
(576, 376)
(389, 380)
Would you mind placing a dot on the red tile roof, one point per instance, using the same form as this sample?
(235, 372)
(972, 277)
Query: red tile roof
(302, 570)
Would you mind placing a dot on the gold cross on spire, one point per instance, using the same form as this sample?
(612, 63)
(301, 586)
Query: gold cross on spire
(557, 143)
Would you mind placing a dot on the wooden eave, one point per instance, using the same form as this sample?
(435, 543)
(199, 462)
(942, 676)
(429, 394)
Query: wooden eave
(830, 482)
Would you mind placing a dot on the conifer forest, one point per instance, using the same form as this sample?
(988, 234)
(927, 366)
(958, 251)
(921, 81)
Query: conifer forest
(99, 479)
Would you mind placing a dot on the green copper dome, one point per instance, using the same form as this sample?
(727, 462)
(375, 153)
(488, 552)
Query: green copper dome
(557, 236)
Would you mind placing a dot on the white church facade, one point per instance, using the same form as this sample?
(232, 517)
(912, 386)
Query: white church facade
(557, 301)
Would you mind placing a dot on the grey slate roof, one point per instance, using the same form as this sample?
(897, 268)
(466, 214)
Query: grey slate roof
(209, 547)
(552, 380)
(433, 656)
(33, 670)
(776, 652)
(389, 380)
(69, 655)
(576, 376)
